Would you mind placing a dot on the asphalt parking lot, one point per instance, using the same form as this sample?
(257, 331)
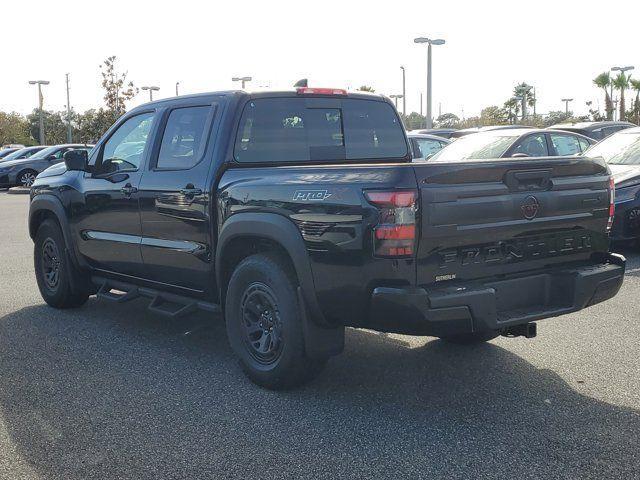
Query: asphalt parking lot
(111, 391)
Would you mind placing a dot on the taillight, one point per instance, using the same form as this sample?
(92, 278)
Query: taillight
(612, 206)
(320, 91)
(395, 233)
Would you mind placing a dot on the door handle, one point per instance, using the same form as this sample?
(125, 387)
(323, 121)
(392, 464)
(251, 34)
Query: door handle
(190, 191)
(128, 189)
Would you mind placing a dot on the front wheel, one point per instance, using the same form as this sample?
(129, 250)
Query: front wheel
(55, 274)
(472, 338)
(263, 324)
(26, 178)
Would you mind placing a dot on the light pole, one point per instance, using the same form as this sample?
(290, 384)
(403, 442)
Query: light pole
(429, 42)
(404, 92)
(69, 133)
(151, 90)
(177, 83)
(244, 80)
(395, 99)
(566, 105)
(40, 104)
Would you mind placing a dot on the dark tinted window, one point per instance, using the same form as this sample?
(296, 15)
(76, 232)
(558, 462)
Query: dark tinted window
(296, 129)
(184, 138)
(532, 146)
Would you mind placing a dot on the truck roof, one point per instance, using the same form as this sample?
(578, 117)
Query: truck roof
(260, 94)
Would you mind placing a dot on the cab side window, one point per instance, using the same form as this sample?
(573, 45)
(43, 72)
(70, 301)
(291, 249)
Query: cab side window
(184, 138)
(533, 146)
(123, 151)
(565, 145)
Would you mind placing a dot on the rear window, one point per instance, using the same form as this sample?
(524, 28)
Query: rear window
(302, 129)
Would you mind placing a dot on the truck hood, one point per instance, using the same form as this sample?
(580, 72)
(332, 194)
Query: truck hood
(54, 170)
(625, 175)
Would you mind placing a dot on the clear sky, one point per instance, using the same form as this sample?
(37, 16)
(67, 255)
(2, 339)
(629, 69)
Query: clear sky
(557, 46)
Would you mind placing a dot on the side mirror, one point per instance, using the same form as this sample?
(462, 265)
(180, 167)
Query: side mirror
(76, 160)
(52, 157)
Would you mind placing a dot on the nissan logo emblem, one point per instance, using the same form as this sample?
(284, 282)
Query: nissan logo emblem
(530, 207)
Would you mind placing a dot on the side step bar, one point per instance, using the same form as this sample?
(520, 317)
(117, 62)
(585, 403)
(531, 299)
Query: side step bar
(167, 304)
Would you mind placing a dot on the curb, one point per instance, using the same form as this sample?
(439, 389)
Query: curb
(19, 190)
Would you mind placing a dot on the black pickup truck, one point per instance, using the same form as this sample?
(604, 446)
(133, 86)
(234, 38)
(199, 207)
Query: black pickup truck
(298, 213)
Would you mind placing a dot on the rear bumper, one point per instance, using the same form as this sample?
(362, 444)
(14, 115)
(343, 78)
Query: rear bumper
(496, 304)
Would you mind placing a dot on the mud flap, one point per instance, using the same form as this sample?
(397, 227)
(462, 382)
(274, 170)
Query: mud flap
(320, 342)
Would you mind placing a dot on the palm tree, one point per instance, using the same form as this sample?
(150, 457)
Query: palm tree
(603, 81)
(524, 93)
(621, 82)
(635, 85)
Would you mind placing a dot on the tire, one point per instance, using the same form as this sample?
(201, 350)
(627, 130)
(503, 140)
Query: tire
(264, 326)
(26, 178)
(472, 338)
(55, 273)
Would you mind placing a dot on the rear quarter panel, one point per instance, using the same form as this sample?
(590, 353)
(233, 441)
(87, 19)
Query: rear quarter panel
(327, 205)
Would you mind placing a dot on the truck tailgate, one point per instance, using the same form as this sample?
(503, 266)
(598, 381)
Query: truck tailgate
(490, 218)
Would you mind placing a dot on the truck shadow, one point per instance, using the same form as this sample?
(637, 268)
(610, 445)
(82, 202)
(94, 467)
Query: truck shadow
(90, 393)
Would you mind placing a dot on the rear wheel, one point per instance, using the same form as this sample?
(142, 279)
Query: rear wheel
(472, 338)
(264, 326)
(26, 178)
(55, 274)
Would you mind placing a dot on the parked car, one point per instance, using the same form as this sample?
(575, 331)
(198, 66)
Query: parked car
(594, 130)
(489, 128)
(514, 142)
(425, 146)
(7, 151)
(439, 132)
(621, 151)
(301, 213)
(24, 171)
(21, 153)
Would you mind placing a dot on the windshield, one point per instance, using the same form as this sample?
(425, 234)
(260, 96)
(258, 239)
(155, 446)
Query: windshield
(18, 153)
(44, 153)
(475, 146)
(618, 149)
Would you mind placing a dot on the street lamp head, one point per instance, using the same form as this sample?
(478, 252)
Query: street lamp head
(241, 79)
(41, 82)
(622, 69)
(437, 41)
(567, 99)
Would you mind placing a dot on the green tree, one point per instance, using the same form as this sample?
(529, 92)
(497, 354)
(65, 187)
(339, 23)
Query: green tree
(14, 128)
(512, 107)
(523, 92)
(92, 124)
(413, 121)
(448, 120)
(55, 125)
(621, 82)
(118, 91)
(557, 116)
(366, 88)
(494, 115)
(603, 81)
(635, 111)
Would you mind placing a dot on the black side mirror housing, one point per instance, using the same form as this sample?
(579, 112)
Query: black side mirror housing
(76, 160)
